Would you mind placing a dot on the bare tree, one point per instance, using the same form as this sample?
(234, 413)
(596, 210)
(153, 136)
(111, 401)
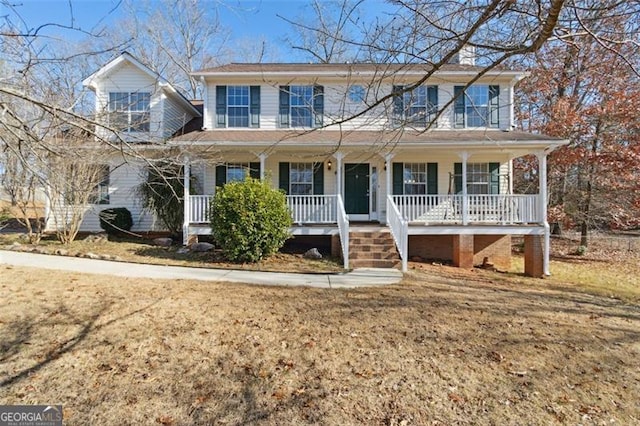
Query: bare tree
(175, 38)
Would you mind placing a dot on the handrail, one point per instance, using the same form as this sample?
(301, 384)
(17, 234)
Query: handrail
(343, 228)
(399, 228)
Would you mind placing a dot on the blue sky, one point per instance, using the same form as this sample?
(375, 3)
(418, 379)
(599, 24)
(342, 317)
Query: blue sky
(246, 18)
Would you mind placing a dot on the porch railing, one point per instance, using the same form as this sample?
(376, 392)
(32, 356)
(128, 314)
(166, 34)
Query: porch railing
(199, 208)
(343, 228)
(399, 228)
(486, 208)
(305, 209)
(315, 209)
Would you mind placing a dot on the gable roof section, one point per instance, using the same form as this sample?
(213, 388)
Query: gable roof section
(346, 68)
(126, 57)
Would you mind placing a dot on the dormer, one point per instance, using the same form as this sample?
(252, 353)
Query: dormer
(136, 102)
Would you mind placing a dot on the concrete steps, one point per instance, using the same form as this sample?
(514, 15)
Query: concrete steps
(372, 249)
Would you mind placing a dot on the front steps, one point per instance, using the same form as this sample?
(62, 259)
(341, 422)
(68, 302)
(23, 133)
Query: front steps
(372, 249)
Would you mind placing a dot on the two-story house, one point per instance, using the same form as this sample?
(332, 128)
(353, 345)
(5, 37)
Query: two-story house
(356, 148)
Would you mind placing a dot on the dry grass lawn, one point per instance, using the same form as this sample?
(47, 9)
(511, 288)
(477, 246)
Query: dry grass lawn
(444, 347)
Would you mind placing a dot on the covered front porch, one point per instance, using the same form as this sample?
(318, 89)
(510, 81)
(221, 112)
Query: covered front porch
(448, 188)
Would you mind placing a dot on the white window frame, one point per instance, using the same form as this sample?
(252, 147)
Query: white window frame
(303, 97)
(129, 109)
(298, 174)
(414, 175)
(238, 105)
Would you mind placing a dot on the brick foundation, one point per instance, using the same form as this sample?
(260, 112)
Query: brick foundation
(463, 251)
(533, 256)
(496, 248)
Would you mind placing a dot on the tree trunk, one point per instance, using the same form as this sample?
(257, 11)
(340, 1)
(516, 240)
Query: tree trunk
(584, 234)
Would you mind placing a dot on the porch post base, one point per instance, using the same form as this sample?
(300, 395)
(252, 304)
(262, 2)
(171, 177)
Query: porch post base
(463, 251)
(533, 256)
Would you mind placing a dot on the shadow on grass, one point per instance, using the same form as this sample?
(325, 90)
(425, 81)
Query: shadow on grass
(23, 329)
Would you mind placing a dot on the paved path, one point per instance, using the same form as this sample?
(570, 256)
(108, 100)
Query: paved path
(356, 278)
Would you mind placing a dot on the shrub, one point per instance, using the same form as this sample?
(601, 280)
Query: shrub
(162, 193)
(249, 220)
(115, 220)
(581, 250)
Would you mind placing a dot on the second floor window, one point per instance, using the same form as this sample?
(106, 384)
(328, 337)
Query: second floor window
(417, 107)
(238, 106)
(129, 111)
(477, 106)
(301, 106)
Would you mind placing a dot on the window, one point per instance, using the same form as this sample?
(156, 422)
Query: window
(301, 106)
(237, 172)
(129, 111)
(238, 106)
(301, 179)
(477, 178)
(417, 107)
(482, 178)
(415, 178)
(356, 94)
(476, 106)
(233, 172)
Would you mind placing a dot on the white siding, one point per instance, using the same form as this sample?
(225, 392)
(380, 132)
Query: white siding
(338, 106)
(175, 116)
(124, 179)
(128, 78)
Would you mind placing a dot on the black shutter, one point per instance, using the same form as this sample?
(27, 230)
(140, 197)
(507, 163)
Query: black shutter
(221, 106)
(457, 178)
(254, 106)
(318, 105)
(221, 175)
(283, 178)
(254, 170)
(398, 178)
(283, 120)
(432, 178)
(432, 104)
(494, 178)
(398, 106)
(458, 108)
(494, 107)
(318, 178)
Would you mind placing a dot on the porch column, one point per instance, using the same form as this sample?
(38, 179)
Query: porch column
(389, 180)
(510, 174)
(187, 190)
(543, 199)
(339, 157)
(263, 158)
(465, 203)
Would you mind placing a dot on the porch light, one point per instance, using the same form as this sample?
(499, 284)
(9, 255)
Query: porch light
(329, 165)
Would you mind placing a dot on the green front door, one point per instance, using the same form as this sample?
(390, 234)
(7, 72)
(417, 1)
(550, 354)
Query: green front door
(356, 189)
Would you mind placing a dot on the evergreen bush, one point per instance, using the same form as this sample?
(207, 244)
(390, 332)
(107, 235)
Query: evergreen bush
(249, 220)
(115, 220)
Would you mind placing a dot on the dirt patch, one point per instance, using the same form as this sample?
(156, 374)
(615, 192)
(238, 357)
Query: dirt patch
(470, 348)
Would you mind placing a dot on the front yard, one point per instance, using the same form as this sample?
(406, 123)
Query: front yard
(444, 347)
